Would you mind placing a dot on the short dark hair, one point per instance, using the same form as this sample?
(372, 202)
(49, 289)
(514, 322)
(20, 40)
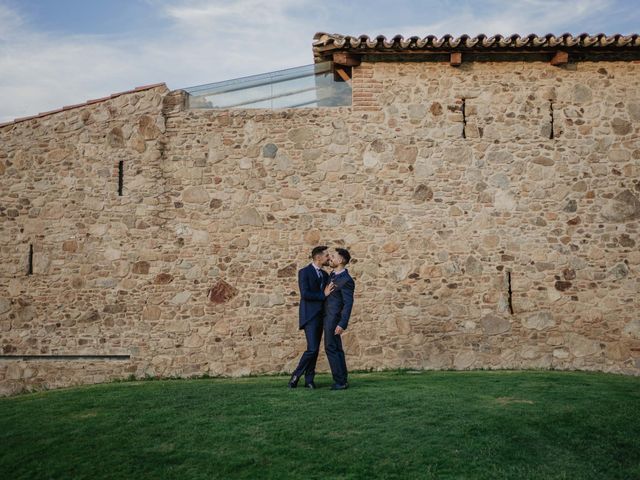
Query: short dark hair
(318, 250)
(344, 253)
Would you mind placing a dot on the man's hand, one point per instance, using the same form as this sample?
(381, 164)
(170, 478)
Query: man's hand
(328, 289)
(338, 330)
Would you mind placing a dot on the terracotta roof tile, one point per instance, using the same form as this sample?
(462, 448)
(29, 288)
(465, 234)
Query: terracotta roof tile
(324, 44)
(69, 107)
(78, 105)
(42, 114)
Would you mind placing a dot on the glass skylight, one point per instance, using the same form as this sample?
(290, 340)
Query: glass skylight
(307, 86)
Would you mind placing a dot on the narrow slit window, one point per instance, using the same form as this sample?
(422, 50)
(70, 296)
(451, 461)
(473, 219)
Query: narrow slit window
(30, 260)
(464, 118)
(551, 117)
(120, 177)
(510, 292)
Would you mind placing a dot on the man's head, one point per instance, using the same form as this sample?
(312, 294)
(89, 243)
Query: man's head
(320, 255)
(340, 258)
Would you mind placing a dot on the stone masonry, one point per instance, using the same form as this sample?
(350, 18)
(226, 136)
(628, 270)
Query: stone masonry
(492, 211)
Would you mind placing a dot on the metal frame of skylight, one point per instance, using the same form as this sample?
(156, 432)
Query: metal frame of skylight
(251, 81)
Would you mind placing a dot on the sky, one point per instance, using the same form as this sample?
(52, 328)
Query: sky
(61, 52)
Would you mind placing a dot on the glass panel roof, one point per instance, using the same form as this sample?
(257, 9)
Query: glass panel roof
(307, 86)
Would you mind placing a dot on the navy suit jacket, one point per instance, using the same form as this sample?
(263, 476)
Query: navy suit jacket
(311, 294)
(338, 305)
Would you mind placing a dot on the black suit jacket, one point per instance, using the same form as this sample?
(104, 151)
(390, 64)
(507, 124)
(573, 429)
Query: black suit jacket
(338, 305)
(311, 294)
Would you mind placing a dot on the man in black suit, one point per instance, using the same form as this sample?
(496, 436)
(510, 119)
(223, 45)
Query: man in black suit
(337, 311)
(314, 287)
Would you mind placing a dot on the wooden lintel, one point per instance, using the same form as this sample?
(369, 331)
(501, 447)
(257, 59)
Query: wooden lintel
(456, 59)
(560, 58)
(346, 59)
(343, 75)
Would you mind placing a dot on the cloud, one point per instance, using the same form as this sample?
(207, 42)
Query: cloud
(40, 73)
(522, 17)
(204, 43)
(10, 22)
(243, 37)
(231, 16)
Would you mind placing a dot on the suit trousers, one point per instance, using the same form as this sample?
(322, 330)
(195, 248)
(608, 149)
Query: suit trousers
(308, 360)
(335, 353)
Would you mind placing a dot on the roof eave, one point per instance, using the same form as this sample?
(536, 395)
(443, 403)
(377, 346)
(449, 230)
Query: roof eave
(324, 44)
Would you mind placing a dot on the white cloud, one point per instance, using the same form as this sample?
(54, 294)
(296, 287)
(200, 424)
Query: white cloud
(231, 15)
(41, 73)
(238, 37)
(506, 18)
(10, 22)
(204, 43)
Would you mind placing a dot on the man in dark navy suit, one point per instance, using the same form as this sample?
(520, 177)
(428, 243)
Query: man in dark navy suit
(314, 287)
(337, 311)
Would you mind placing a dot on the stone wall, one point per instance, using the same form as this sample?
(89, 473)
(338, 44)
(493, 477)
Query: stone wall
(59, 193)
(491, 210)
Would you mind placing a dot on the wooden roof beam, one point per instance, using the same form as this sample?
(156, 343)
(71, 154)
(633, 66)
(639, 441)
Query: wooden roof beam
(346, 59)
(560, 58)
(455, 60)
(343, 75)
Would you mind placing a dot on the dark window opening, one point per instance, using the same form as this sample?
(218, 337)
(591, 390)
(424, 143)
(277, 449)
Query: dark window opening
(510, 292)
(120, 177)
(464, 118)
(30, 261)
(551, 115)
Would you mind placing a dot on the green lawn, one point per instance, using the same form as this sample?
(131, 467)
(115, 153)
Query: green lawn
(483, 424)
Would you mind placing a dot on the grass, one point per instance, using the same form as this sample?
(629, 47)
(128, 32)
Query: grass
(483, 424)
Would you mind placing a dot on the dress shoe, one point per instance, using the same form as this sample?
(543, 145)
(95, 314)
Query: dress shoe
(293, 382)
(337, 386)
(310, 385)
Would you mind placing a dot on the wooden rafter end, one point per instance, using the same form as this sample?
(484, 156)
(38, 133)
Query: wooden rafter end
(560, 58)
(346, 59)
